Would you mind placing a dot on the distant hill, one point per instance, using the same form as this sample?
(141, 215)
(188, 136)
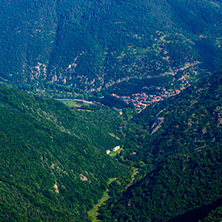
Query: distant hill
(92, 44)
(180, 139)
(53, 164)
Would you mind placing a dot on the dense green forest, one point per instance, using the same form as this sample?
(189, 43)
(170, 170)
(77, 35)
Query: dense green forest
(54, 165)
(178, 143)
(181, 183)
(53, 161)
(65, 47)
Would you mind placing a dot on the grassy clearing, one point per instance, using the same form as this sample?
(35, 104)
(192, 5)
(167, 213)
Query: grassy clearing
(93, 213)
(135, 171)
(79, 105)
(72, 103)
(113, 154)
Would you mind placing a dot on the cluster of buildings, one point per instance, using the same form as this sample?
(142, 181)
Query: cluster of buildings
(141, 100)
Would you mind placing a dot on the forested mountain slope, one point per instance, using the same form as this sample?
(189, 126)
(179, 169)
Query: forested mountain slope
(180, 124)
(89, 44)
(182, 183)
(181, 139)
(51, 167)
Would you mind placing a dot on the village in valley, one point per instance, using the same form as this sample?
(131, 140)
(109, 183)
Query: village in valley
(142, 100)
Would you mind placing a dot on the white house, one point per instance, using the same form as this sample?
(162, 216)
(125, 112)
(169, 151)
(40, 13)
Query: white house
(116, 148)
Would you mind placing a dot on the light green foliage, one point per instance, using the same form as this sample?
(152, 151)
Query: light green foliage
(53, 162)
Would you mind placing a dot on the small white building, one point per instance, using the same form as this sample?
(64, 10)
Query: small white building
(108, 152)
(116, 148)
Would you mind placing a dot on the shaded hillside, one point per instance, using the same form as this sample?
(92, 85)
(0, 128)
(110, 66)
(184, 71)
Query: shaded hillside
(182, 183)
(51, 167)
(214, 215)
(86, 45)
(180, 139)
(185, 123)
